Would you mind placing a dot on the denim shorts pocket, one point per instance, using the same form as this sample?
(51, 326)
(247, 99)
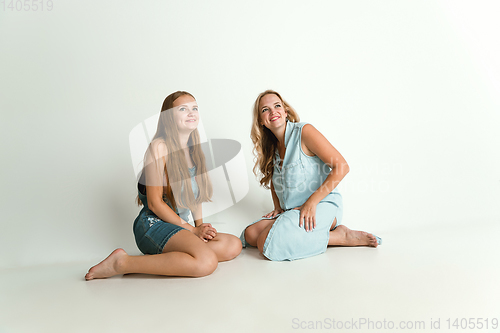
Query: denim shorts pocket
(150, 233)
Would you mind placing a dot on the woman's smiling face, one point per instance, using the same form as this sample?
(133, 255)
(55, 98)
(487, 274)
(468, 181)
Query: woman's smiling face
(272, 111)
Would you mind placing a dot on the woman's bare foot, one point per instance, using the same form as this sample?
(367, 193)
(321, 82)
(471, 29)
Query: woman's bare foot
(343, 236)
(108, 267)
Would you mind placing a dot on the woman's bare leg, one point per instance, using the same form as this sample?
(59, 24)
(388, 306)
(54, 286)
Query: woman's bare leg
(183, 255)
(343, 236)
(253, 231)
(261, 240)
(225, 246)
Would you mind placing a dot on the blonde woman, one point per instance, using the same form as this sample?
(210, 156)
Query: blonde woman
(173, 182)
(302, 169)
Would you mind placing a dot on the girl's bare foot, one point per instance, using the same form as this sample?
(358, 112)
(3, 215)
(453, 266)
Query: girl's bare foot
(108, 267)
(343, 236)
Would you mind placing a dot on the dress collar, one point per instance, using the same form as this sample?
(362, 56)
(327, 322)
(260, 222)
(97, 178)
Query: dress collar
(288, 131)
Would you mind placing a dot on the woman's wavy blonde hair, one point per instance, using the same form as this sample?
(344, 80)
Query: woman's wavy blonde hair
(178, 177)
(264, 141)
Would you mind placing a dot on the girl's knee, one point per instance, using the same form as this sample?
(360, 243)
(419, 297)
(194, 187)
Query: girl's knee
(206, 263)
(230, 247)
(234, 247)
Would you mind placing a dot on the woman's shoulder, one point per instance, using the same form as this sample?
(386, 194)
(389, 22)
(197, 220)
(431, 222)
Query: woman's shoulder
(299, 125)
(308, 131)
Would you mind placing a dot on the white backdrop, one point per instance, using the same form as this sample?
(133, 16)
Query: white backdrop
(407, 91)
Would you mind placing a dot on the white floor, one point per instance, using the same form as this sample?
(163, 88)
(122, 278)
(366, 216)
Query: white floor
(426, 275)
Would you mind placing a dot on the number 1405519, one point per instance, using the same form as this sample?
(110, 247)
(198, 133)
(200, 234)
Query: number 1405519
(472, 323)
(27, 5)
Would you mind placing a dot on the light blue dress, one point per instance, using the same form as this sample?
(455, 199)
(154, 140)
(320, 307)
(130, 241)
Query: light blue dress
(294, 182)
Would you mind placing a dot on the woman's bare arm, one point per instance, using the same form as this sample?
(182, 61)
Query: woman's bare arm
(313, 143)
(277, 208)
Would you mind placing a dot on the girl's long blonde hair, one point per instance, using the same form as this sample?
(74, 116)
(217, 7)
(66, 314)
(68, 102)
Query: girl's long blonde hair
(178, 177)
(264, 141)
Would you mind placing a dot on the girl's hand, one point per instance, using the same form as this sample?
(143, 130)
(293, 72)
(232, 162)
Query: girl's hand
(275, 212)
(205, 232)
(307, 215)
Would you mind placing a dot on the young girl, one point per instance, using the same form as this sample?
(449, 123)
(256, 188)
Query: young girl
(174, 181)
(303, 170)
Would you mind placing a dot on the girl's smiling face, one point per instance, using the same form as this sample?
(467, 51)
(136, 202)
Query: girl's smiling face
(185, 112)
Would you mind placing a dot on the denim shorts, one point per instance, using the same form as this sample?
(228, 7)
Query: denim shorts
(151, 233)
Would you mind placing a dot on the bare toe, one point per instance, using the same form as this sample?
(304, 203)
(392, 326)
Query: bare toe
(372, 241)
(360, 238)
(108, 267)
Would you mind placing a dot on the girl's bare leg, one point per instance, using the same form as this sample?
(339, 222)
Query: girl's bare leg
(225, 246)
(184, 255)
(343, 236)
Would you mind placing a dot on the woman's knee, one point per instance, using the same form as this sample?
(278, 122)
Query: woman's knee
(260, 246)
(261, 239)
(251, 234)
(334, 224)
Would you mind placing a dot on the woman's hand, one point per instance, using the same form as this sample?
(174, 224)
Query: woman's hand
(307, 215)
(275, 212)
(205, 232)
